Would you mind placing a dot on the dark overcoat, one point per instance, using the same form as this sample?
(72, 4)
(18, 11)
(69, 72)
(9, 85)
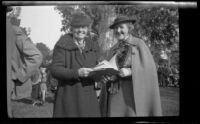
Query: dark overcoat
(22, 60)
(75, 97)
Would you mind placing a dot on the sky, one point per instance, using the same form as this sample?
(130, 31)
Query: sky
(45, 24)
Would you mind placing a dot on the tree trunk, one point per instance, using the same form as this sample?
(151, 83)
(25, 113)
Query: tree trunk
(106, 39)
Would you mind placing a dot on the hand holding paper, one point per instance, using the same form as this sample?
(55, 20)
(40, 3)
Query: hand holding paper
(104, 68)
(107, 64)
(124, 72)
(84, 72)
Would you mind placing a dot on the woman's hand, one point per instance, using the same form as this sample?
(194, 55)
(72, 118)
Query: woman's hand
(124, 72)
(84, 72)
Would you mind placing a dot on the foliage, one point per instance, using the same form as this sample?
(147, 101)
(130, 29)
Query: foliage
(66, 13)
(15, 12)
(101, 15)
(45, 52)
(14, 15)
(157, 26)
(27, 31)
(15, 20)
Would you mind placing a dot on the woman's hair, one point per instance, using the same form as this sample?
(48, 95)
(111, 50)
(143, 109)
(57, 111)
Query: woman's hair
(130, 27)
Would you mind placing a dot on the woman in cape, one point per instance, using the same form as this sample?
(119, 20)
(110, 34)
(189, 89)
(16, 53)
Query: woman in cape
(135, 91)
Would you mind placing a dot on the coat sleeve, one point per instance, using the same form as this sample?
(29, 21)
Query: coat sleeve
(32, 57)
(58, 69)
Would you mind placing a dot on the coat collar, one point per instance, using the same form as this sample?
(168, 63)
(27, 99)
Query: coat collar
(66, 42)
(133, 41)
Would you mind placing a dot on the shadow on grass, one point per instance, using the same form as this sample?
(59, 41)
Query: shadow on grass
(170, 101)
(49, 98)
(25, 100)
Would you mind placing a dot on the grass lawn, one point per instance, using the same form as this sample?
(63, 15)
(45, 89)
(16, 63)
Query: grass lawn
(169, 100)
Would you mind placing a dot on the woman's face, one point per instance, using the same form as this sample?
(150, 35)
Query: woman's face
(121, 31)
(80, 32)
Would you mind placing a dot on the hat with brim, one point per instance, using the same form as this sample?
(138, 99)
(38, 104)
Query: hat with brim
(80, 19)
(122, 19)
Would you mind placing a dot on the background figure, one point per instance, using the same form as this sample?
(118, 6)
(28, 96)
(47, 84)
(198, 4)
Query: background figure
(73, 58)
(159, 74)
(165, 75)
(135, 91)
(40, 89)
(43, 85)
(36, 79)
(162, 76)
(26, 59)
(23, 60)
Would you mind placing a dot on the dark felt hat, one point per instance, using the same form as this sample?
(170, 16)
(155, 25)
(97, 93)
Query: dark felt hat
(80, 19)
(122, 19)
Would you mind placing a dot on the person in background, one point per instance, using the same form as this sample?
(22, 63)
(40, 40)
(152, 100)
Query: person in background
(40, 87)
(36, 80)
(134, 91)
(165, 75)
(159, 74)
(170, 77)
(74, 56)
(43, 85)
(24, 59)
(162, 76)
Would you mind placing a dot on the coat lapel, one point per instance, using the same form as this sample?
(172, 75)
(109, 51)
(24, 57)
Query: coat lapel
(68, 44)
(80, 57)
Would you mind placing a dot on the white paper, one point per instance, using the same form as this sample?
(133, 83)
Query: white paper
(107, 64)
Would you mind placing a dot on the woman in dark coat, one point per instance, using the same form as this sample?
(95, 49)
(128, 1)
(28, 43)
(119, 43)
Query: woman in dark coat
(73, 58)
(134, 92)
